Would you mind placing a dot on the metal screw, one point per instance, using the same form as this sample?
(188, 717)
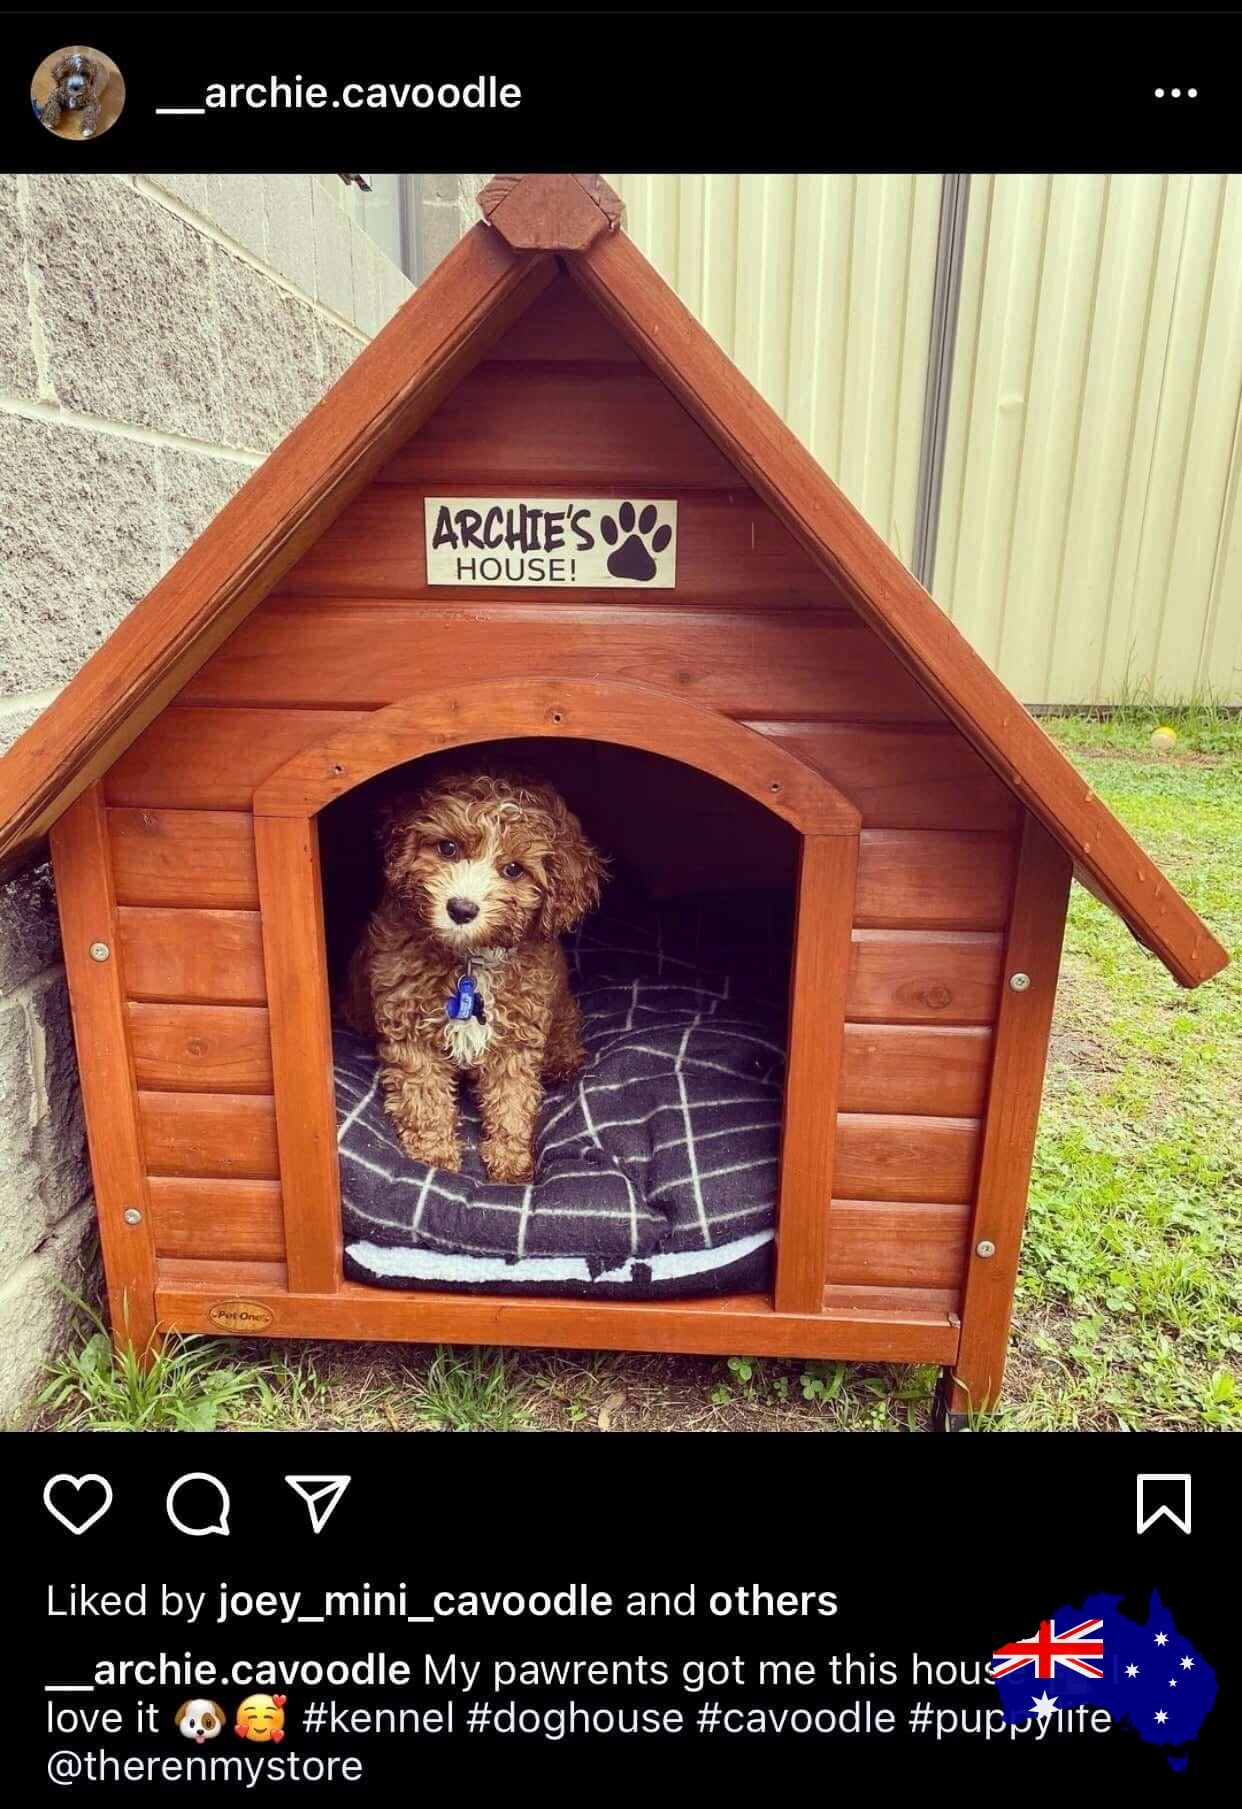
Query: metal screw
(132, 1216)
(985, 1248)
(1019, 982)
(100, 951)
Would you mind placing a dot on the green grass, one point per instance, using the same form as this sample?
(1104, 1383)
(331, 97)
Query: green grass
(1127, 1313)
(1128, 1308)
(833, 1396)
(186, 1387)
(1202, 728)
(191, 1385)
(469, 1391)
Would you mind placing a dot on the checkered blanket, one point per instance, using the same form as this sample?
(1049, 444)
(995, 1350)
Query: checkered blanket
(656, 1168)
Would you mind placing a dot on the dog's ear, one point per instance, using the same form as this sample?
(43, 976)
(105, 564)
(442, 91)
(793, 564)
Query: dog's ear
(391, 823)
(181, 1713)
(218, 1712)
(61, 70)
(575, 871)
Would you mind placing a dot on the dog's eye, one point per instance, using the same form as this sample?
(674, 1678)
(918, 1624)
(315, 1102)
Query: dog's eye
(448, 850)
(513, 870)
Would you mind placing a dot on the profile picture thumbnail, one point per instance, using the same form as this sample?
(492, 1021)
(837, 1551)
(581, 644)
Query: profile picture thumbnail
(77, 92)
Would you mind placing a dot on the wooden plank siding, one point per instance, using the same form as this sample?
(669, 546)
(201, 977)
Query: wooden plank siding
(897, 1244)
(730, 551)
(200, 1135)
(932, 879)
(914, 1072)
(191, 956)
(918, 1069)
(547, 418)
(896, 976)
(203, 1048)
(898, 775)
(566, 328)
(231, 1220)
(882, 1157)
(754, 630)
(339, 652)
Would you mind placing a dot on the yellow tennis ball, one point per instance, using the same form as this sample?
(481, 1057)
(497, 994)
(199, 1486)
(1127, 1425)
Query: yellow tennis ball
(1163, 738)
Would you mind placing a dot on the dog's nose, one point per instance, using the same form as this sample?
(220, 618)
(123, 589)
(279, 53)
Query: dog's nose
(462, 910)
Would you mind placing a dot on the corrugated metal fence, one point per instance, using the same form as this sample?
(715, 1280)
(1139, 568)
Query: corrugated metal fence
(1088, 538)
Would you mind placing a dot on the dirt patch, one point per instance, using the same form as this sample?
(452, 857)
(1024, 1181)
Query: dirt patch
(666, 1394)
(1078, 1050)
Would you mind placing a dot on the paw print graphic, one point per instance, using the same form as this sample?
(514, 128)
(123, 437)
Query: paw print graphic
(632, 558)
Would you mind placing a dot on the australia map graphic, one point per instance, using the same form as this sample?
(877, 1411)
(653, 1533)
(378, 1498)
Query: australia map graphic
(1146, 1675)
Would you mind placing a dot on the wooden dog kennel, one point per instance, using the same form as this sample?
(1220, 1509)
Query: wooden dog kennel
(302, 646)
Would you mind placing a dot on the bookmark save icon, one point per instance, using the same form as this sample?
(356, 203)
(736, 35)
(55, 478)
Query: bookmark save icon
(321, 1494)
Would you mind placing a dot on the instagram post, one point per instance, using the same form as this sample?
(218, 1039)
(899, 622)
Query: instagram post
(620, 832)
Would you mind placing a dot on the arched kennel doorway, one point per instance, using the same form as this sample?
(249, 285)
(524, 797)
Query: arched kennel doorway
(630, 714)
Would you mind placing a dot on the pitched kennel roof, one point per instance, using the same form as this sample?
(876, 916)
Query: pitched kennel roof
(535, 225)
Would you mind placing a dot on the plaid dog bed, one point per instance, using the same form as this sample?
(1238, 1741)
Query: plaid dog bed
(656, 1167)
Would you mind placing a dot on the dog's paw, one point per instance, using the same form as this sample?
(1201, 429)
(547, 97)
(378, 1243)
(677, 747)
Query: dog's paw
(507, 1162)
(430, 1152)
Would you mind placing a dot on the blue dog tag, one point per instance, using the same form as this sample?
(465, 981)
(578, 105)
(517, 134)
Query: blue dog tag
(465, 1001)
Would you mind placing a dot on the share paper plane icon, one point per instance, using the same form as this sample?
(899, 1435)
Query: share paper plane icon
(321, 1495)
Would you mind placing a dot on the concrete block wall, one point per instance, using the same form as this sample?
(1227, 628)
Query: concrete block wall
(158, 336)
(446, 209)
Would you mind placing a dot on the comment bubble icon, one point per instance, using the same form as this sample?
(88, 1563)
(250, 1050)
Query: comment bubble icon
(218, 1524)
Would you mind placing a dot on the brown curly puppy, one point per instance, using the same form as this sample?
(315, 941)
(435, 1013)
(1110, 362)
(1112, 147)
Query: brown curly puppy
(80, 83)
(483, 872)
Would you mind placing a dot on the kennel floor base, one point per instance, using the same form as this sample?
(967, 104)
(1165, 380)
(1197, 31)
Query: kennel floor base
(858, 1324)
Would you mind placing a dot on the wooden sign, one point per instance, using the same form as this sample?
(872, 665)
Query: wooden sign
(605, 543)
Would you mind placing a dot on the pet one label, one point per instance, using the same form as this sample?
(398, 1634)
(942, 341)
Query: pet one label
(610, 543)
(239, 1315)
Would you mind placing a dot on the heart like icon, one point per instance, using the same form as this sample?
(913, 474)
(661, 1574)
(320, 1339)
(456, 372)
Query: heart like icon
(77, 1483)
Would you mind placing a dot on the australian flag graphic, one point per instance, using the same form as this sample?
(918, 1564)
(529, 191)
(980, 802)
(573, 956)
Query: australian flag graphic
(1146, 1675)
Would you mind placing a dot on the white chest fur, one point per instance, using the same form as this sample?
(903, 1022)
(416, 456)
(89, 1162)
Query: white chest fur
(467, 1039)
(467, 1042)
